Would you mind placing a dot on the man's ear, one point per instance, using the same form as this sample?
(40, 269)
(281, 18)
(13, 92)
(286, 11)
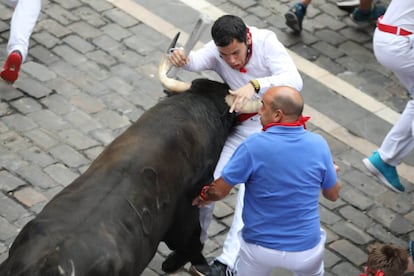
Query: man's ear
(277, 115)
(249, 38)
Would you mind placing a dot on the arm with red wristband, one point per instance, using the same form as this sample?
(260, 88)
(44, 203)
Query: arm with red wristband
(217, 190)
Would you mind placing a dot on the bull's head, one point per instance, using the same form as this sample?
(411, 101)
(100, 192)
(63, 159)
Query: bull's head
(177, 86)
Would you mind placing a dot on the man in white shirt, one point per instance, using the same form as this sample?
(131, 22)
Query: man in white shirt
(249, 60)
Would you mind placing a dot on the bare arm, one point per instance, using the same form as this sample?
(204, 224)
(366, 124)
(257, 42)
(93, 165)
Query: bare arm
(213, 192)
(332, 194)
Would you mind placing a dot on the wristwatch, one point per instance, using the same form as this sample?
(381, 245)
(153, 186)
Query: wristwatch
(256, 85)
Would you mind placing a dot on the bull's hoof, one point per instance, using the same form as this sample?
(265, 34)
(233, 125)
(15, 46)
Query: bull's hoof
(174, 262)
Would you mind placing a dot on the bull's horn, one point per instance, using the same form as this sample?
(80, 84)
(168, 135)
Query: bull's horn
(250, 106)
(170, 84)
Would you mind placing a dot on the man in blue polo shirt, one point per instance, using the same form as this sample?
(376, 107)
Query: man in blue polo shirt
(284, 168)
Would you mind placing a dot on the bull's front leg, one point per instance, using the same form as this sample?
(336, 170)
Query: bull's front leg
(183, 238)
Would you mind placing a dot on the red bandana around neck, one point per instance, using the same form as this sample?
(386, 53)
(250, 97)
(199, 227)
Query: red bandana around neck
(301, 122)
(368, 271)
(249, 53)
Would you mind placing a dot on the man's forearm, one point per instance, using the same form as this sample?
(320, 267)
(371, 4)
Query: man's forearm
(216, 190)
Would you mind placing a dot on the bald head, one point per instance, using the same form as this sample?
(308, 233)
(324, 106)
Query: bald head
(287, 99)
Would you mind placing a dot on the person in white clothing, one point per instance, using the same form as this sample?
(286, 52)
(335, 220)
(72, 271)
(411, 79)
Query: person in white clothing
(25, 15)
(249, 60)
(394, 48)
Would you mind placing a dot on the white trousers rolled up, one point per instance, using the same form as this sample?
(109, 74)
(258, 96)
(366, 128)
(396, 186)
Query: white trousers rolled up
(25, 15)
(231, 245)
(396, 53)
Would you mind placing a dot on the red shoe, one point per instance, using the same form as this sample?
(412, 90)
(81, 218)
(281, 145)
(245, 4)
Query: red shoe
(11, 67)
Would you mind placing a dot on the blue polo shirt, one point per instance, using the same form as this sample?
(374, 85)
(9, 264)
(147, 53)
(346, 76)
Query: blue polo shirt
(284, 169)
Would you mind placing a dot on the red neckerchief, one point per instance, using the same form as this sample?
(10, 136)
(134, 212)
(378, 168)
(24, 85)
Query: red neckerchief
(301, 122)
(377, 273)
(249, 52)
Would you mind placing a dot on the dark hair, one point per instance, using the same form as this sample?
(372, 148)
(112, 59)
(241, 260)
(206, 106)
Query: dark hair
(391, 259)
(227, 28)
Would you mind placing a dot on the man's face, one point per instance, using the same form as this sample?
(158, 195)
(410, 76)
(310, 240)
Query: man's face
(234, 54)
(267, 115)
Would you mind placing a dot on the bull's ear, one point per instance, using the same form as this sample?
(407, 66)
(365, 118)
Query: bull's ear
(251, 106)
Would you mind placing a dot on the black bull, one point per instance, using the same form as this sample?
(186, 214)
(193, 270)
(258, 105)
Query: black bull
(137, 193)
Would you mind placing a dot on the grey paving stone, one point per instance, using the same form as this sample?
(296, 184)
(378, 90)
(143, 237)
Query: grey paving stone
(69, 4)
(87, 103)
(9, 182)
(37, 156)
(129, 57)
(61, 174)
(328, 50)
(98, 5)
(328, 217)
(39, 71)
(120, 18)
(383, 235)
(116, 32)
(222, 210)
(83, 121)
(40, 52)
(355, 255)
(10, 209)
(111, 119)
(101, 57)
(69, 55)
(9, 92)
(5, 109)
(35, 176)
(400, 203)
(107, 43)
(355, 198)
(104, 135)
(7, 231)
(29, 197)
(89, 85)
(53, 27)
(19, 122)
(119, 85)
(93, 153)
(34, 88)
(57, 104)
(365, 184)
(346, 269)
(41, 137)
(49, 120)
(90, 16)
(351, 232)
(46, 39)
(68, 155)
(61, 15)
(77, 139)
(79, 44)
(85, 30)
(330, 259)
(118, 103)
(389, 219)
(10, 161)
(65, 71)
(95, 70)
(26, 105)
